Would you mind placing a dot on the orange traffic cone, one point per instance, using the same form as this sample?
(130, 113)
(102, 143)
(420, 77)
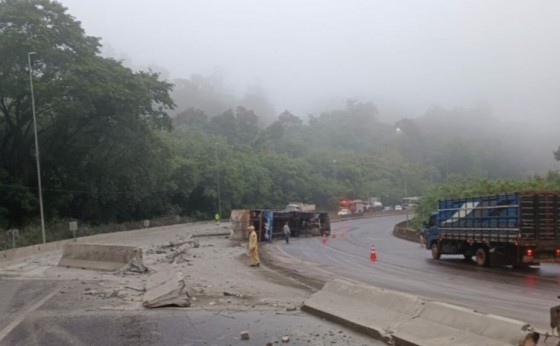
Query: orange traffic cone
(324, 239)
(373, 254)
(333, 235)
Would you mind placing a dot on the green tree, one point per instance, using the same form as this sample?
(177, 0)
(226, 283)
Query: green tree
(557, 154)
(191, 117)
(96, 119)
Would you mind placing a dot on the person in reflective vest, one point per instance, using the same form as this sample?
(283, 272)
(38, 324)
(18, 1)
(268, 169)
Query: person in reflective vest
(217, 218)
(253, 247)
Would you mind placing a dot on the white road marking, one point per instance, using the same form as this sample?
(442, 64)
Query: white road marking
(22, 315)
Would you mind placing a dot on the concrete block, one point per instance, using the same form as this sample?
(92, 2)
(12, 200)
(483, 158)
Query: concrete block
(100, 257)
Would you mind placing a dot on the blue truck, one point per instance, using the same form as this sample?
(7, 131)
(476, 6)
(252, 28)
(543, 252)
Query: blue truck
(518, 229)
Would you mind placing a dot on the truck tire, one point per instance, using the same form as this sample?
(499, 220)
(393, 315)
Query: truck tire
(435, 251)
(482, 256)
(315, 231)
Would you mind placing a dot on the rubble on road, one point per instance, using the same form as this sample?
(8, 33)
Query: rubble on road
(244, 335)
(212, 267)
(166, 288)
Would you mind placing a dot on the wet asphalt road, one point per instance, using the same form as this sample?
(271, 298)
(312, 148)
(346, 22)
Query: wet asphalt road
(523, 294)
(36, 312)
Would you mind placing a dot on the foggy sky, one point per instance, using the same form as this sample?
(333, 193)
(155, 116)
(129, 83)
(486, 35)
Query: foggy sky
(312, 53)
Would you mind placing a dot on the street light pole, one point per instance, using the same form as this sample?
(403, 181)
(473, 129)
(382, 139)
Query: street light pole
(218, 181)
(36, 147)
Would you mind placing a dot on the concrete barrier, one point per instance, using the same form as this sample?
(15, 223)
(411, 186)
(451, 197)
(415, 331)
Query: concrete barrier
(17, 254)
(7, 257)
(369, 309)
(442, 324)
(100, 257)
(403, 319)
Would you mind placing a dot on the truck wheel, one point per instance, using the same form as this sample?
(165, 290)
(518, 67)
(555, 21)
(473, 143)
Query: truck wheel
(481, 256)
(435, 252)
(315, 231)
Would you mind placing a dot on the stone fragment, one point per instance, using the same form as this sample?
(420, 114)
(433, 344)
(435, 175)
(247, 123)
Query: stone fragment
(245, 335)
(166, 288)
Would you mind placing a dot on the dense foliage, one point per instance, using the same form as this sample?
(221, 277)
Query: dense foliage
(109, 151)
(97, 122)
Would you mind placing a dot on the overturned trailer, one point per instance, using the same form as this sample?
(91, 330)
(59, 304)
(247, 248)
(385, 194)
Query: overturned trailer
(269, 223)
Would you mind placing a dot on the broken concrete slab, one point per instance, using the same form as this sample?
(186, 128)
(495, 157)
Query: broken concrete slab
(166, 288)
(100, 257)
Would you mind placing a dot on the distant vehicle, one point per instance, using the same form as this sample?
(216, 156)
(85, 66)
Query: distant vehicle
(298, 206)
(388, 208)
(343, 212)
(377, 206)
(356, 206)
(398, 207)
(410, 202)
(517, 229)
(375, 203)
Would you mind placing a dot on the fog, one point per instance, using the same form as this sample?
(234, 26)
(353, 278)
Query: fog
(405, 56)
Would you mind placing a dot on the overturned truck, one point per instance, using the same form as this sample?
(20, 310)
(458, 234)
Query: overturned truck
(269, 223)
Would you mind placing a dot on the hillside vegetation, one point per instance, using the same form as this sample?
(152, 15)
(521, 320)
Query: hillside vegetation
(118, 145)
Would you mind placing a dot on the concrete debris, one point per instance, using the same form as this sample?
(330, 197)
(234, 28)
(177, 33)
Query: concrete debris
(135, 266)
(138, 289)
(228, 294)
(191, 242)
(285, 339)
(166, 288)
(178, 255)
(245, 335)
(107, 293)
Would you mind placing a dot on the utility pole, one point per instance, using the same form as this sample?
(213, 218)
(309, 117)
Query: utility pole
(36, 147)
(218, 181)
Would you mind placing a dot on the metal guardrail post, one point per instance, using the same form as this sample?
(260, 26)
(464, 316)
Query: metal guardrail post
(73, 227)
(14, 233)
